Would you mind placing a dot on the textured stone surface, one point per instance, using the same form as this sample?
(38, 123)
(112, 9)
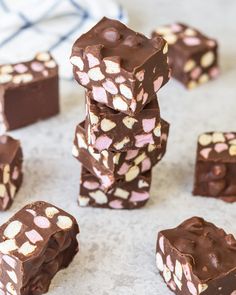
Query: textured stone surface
(117, 249)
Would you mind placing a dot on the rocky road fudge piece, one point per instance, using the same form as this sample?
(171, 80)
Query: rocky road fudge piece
(103, 125)
(123, 68)
(216, 166)
(126, 195)
(29, 92)
(110, 166)
(197, 258)
(11, 158)
(193, 57)
(35, 244)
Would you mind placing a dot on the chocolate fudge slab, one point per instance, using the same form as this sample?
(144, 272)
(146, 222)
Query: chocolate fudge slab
(216, 166)
(197, 258)
(29, 92)
(11, 175)
(110, 166)
(122, 68)
(193, 57)
(126, 195)
(37, 242)
(103, 124)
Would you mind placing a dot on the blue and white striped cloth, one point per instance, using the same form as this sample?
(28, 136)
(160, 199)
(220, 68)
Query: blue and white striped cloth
(30, 26)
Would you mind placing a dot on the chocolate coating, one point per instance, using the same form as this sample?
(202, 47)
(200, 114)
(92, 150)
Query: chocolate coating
(216, 166)
(118, 40)
(29, 92)
(35, 244)
(203, 257)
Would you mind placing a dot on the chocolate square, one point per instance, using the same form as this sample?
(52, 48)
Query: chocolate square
(37, 242)
(197, 258)
(125, 195)
(111, 166)
(29, 92)
(193, 57)
(122, 68)
(119, 130)
(216, 166)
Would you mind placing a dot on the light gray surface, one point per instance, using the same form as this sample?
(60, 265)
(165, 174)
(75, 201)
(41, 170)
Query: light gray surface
(117, 253)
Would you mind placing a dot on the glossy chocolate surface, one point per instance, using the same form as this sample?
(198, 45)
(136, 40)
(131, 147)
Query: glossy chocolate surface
(35, 244)
(115, 39)
(196, 258)
(211, 251)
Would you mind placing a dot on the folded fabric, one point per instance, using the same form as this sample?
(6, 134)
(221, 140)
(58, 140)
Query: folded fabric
(30, 26)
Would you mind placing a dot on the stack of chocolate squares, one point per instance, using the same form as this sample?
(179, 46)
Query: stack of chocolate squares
(123, 135)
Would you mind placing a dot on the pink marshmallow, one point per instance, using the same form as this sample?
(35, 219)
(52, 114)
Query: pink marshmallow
(143, 139)
(220, 147)
(161, 244)
(175, 28)
(110, 87)
(15, 173)
(10, 261)
(116, 204)
(214, 72)
(83, 78)
(146, 164)
(37, 66)
(133, 106)
(21, 68)
(92, 60)
(187, 271)
(139, 197)
(34, 236)
(103, 142)
(229, 136)
(148, 124)
(205, 152)
(99, 94)
(123, 169)
(91, 185)
(195, 74)
(192, 41)
(131, 154)
(42, 222)
(192, 288)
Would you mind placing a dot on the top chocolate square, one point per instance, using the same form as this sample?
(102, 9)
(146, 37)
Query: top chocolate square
(217, 147)
(123, 68)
